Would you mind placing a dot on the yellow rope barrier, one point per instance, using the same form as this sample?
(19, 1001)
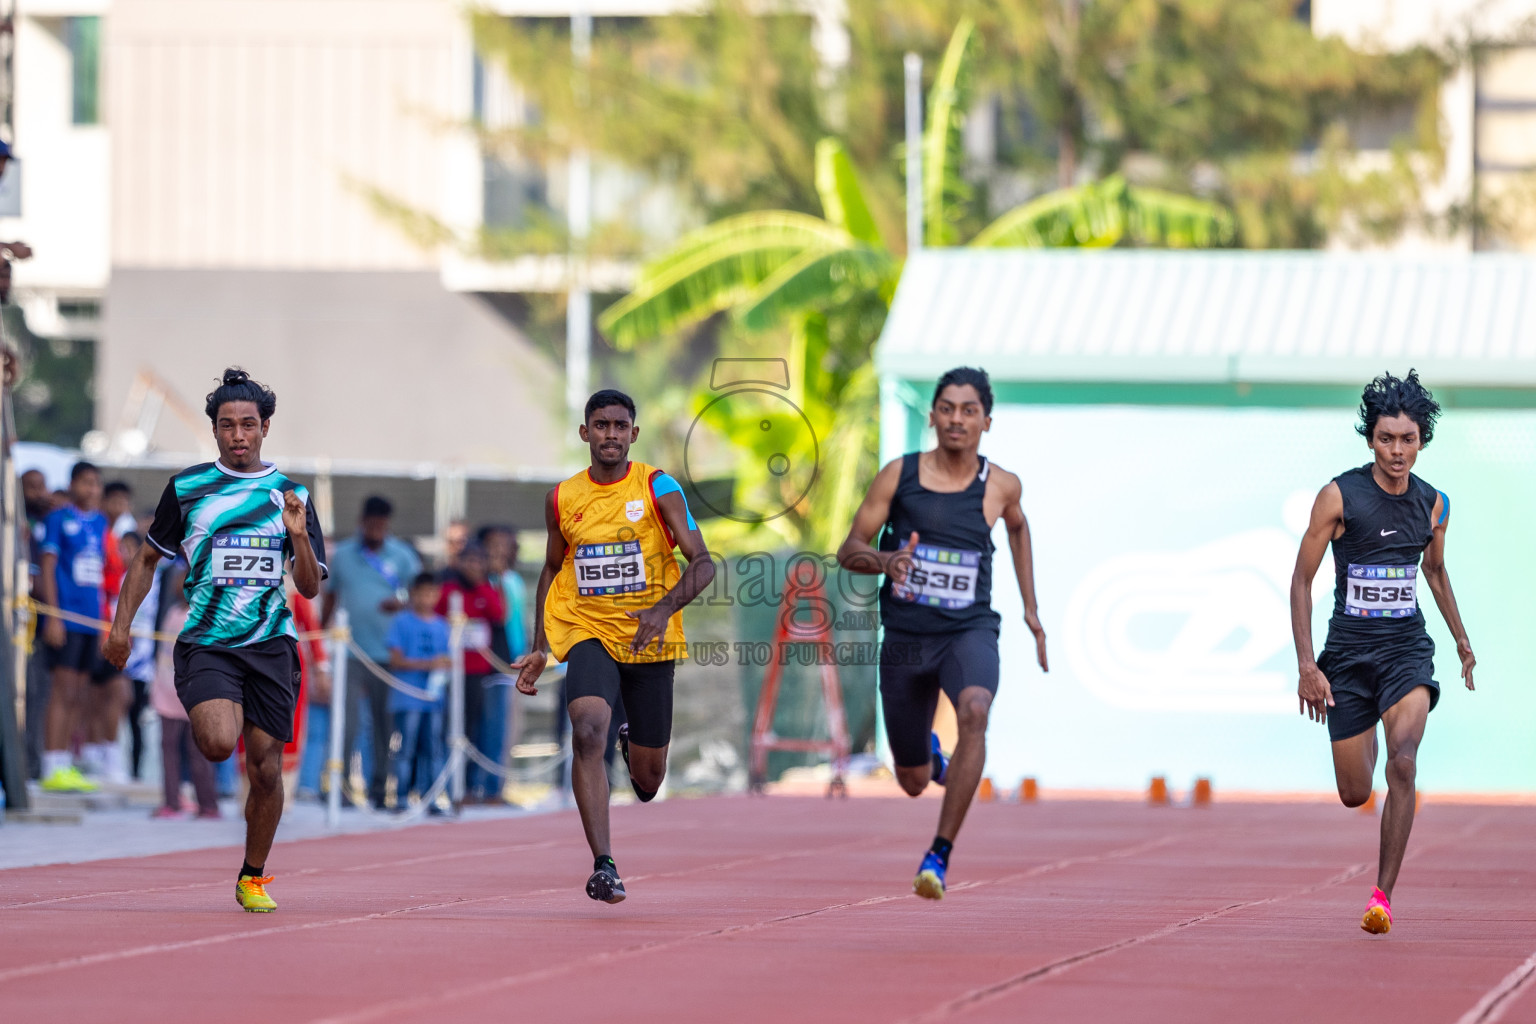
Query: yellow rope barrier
(37, 609)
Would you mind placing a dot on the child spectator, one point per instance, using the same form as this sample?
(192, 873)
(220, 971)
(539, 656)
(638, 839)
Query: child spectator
(175, 731)
(486, 609)
(418, 655)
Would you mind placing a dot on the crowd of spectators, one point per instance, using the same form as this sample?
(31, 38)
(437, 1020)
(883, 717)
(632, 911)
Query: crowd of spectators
(395, 609)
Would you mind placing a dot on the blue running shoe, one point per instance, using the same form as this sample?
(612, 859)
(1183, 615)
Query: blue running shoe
(929, 883)
(940, 762)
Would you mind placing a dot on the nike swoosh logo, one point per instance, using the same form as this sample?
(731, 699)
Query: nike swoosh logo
(1387, 533)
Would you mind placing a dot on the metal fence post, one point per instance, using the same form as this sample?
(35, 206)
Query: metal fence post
(335, 769)
(456, 750)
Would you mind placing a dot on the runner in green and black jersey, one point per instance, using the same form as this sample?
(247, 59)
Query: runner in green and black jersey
(241, 525)
(1387, 528)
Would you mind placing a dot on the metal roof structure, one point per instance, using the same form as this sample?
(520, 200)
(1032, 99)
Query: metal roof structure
(1214, 317)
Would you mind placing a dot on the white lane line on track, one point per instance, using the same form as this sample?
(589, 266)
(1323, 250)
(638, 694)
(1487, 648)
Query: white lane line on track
(967, 1000)
(974, 997)
(30, 970)
(393, 1007)
(302, 872)
(1502, 996)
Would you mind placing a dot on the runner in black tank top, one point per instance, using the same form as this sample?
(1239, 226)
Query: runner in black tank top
(933, 513)
(1387, 528)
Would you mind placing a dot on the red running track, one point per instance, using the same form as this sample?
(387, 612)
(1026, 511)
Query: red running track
(796, 909)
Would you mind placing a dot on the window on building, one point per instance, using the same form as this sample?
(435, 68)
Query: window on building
(83, 36)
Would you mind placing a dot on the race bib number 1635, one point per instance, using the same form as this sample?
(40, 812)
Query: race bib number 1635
(1381, 591)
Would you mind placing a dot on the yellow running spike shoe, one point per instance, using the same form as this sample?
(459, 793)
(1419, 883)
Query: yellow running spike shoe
(68, 779)
(929, 882)
(251, 894)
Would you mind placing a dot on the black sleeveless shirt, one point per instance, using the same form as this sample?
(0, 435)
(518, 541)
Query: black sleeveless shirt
(1376, 559)
(950, 586)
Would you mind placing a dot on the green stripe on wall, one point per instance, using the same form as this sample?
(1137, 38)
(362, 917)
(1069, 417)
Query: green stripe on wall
(1257, 395)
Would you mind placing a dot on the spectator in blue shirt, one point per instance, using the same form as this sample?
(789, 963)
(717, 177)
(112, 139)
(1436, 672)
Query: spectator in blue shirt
(71, 575)
(369, 574)
(418, 656)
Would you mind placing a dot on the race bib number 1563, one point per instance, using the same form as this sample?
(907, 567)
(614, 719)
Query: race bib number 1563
(617, 568)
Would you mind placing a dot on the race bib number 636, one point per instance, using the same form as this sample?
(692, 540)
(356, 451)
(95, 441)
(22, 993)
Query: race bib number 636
(941, 578)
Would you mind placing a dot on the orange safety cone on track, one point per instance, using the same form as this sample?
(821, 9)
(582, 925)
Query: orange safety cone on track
(984, 791)
(1369, 807)
(1029, 791)
(1202, 797)
(1157, 794)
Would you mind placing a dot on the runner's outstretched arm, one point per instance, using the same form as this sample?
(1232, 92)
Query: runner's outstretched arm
(857, 554)
(1440, 583)
(1313, 694)
(531, 665)
(136, 584)
(1023, 559)
(700, 571)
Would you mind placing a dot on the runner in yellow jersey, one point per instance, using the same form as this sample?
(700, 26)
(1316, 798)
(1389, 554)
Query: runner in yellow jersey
(609, 605)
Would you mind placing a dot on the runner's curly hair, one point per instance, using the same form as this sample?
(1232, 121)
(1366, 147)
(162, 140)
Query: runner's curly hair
(237, 386)
(1389, 396)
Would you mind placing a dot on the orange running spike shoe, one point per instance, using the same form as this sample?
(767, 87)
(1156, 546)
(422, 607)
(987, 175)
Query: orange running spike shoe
(1378, 914)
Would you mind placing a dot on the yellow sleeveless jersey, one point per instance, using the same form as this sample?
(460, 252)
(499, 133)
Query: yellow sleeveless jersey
(618, 559)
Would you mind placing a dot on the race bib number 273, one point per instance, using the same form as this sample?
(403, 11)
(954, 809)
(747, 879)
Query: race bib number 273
(241, 560)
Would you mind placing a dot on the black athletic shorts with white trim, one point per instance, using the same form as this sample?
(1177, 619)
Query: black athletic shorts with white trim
(262, 677)
(644, 686)
(1367, 680)
(914, 667)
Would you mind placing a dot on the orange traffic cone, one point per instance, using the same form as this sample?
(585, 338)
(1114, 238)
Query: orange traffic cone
(1158, 793)
(1029, 792)
(1202, 797)
(984, 791)
(1369, 807)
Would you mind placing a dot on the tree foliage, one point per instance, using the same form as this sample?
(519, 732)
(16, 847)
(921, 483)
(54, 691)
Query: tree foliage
(1111, 122)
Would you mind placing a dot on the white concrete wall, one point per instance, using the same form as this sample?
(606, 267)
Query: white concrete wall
(244, 130)
(1397, 24)
(65, 167)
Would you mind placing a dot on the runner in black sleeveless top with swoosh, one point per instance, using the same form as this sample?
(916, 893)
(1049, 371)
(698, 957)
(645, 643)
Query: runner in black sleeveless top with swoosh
(1378, 662)
(934, 512)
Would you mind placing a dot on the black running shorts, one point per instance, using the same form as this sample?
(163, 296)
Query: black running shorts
(262, 677)
(81, 653)
(644, 686)
(914, 667)
(1366, 681)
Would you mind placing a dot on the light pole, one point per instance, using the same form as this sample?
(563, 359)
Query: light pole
(578, 308)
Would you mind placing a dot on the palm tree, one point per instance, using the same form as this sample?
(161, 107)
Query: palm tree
(775, 268)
